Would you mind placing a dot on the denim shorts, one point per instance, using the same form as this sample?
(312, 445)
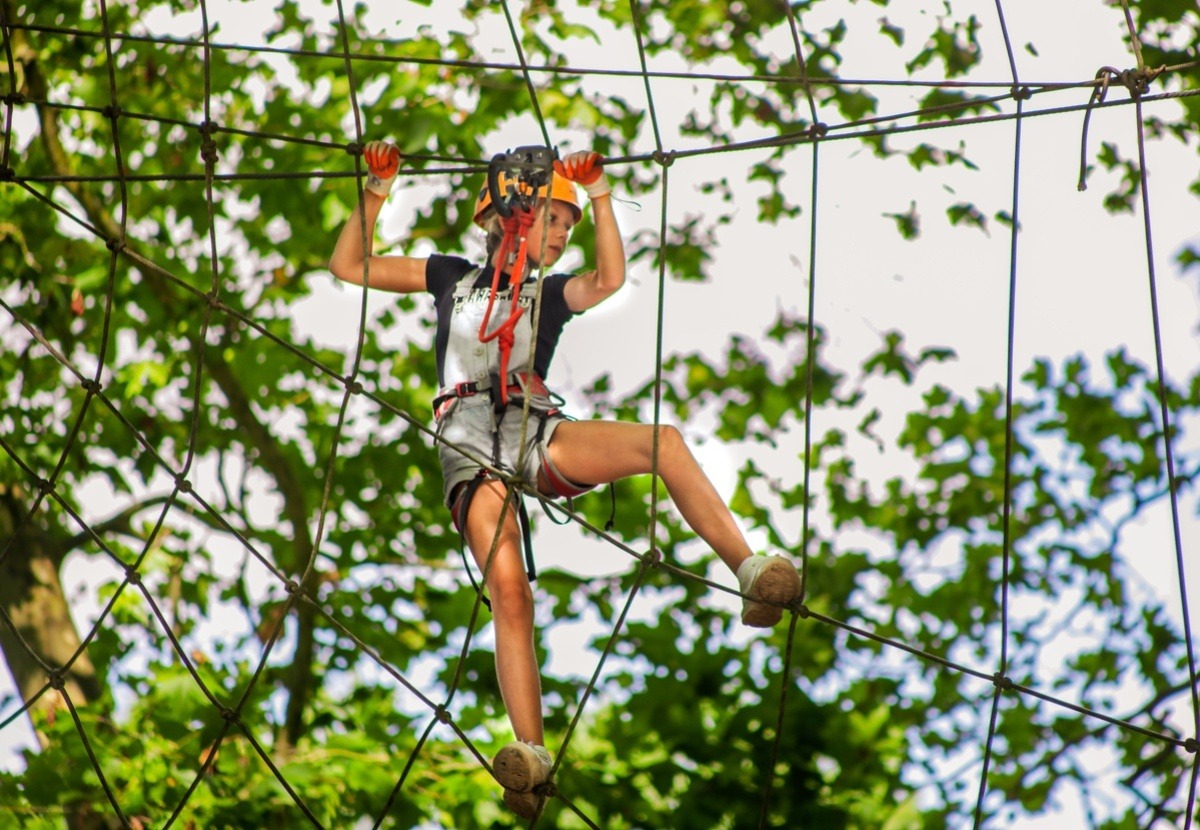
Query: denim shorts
(466, 432)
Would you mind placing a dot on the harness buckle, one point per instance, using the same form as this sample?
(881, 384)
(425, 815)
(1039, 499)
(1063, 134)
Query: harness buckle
(465, 389)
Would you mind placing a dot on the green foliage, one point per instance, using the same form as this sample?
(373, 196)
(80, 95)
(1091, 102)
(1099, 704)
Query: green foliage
(293, 474)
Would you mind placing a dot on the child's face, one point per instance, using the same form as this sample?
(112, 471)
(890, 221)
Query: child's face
(556, 228)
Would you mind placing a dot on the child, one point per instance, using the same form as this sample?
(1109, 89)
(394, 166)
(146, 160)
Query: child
(482, 348)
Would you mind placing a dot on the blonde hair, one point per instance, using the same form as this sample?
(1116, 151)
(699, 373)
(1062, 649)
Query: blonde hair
(494, 234)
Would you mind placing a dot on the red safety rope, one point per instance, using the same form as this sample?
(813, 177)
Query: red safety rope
(516, 227)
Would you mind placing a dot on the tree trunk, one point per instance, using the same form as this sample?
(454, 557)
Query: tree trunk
(32, 597)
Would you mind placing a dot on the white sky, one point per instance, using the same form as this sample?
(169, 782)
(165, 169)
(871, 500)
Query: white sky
(1082, 272)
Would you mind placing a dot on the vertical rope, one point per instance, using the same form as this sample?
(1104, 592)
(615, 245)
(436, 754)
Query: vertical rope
(1001, 682)
(816, 131)
(1164, 412)
(533, 99)
(46, 487)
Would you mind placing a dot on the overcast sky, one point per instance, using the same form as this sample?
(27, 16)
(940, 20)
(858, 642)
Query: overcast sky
(1082, 275)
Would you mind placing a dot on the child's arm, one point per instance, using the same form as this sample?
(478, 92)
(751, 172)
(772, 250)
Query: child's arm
(592, 288)
(403, 274)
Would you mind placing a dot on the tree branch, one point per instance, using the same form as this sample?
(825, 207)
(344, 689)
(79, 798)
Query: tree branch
(255, 433)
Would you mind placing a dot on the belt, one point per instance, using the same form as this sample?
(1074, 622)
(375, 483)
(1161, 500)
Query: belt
(472, 387)
(519, 385)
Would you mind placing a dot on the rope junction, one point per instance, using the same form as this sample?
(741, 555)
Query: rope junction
(298, 586)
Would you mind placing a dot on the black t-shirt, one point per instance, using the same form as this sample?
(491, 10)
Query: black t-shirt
(442, 274)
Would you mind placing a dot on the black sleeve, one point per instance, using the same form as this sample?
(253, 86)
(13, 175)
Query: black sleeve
(554, 297)
(442, 273)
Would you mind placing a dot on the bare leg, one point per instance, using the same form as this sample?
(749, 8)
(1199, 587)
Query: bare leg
(597, 452)
(512, 609)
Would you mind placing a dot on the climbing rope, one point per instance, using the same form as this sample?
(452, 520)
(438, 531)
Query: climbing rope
(298, 585)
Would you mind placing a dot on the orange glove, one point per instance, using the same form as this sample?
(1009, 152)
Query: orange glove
(585, 167)
(383, 162)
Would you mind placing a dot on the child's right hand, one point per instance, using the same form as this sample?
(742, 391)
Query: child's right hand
(383, 162)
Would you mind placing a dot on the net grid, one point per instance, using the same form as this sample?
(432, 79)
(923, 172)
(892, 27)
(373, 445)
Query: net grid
(299, 587)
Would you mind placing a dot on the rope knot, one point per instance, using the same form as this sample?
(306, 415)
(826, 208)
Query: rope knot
(208, 147)
(1138, 81)
(818, 130)
(111, 111)
(90, 385)
(518, 222)
(665, 159)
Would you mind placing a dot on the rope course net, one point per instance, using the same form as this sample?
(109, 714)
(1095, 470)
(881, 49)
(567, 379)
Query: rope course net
(182, 437)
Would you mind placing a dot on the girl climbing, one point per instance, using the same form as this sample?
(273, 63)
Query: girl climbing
(485, 325)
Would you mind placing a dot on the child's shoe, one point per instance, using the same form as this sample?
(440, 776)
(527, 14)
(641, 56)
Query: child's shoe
(766, 579)
(519, 767)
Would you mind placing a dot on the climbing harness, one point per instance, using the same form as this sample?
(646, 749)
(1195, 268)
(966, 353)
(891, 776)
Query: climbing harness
(543, 404)
(520, 174)
(515, 182)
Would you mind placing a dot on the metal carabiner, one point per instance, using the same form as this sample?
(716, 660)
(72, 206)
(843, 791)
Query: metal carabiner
(529, 166)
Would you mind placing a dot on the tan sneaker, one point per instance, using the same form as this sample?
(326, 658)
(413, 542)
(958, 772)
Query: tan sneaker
(525, 805)
(767, 579)
(519, 767)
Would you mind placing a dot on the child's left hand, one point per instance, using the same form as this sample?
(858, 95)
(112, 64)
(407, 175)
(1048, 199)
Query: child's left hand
(587, 168)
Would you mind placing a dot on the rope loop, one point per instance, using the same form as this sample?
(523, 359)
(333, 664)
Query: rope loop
(1104, 75)
(1138, 81)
